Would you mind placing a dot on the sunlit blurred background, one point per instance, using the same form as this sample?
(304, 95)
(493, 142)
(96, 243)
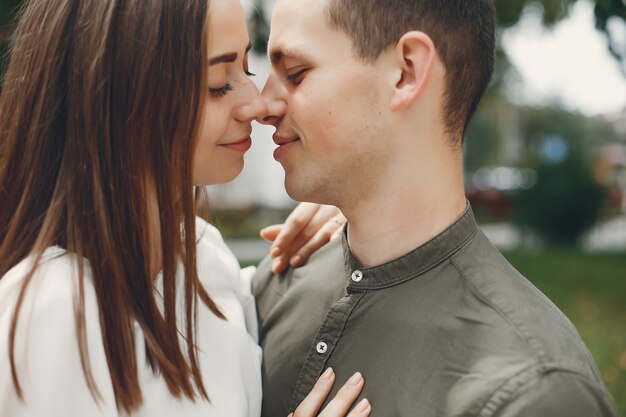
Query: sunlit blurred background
(545, 162)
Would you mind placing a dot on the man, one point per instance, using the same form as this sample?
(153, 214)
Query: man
(371, 99)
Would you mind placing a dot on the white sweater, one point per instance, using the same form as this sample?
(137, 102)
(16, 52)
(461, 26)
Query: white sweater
(47, 354)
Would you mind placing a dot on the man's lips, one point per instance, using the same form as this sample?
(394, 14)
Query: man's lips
(241, 146)
(282, 140)
(284, 144)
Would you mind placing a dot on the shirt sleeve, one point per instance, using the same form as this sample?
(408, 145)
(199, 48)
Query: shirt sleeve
(47, 356)
(555, 394)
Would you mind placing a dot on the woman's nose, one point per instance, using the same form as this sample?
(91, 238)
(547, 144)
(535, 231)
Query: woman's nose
(254, 107)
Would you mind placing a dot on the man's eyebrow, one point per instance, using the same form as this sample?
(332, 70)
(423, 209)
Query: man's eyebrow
(277, 54)
(227, 57)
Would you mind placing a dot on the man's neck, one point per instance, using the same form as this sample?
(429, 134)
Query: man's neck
(388, 225)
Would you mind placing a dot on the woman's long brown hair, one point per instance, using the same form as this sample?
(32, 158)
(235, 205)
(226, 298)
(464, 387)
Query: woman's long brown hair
(100, 105)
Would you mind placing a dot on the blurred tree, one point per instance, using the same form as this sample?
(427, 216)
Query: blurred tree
(582, 134)
(553, 11)
(481, 143)
(259, 27)
(8, 9)
(565, 202)
(566, 199)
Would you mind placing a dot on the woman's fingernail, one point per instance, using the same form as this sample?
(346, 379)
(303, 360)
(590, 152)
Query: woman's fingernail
(327, 374)
(276, 266)
(356, 379)
(363, 406)
(296, 261)
(275, 251)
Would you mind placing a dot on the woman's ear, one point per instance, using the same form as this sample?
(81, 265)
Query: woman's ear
(415, 53)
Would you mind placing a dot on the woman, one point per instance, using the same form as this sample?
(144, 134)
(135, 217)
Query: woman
(114, 299)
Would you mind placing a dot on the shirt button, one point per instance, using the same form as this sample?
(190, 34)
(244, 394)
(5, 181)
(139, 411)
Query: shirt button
(357, 276)
(322, 347)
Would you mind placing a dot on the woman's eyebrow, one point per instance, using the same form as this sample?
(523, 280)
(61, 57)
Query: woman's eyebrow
(227, 57)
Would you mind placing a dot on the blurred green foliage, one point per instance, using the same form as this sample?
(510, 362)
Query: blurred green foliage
(510, 11)
(8, 10)
(485, 136)
(559, 146)
(553, 11)
(566, 200)
(245, 222)
(582, 133)
(564, 203)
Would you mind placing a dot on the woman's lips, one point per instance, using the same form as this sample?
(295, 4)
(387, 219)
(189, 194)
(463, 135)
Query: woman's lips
(241, 146)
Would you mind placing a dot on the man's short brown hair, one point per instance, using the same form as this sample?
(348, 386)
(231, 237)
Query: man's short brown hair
(463, 32)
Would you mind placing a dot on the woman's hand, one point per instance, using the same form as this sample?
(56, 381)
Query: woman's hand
(339, 405)
(309, 227)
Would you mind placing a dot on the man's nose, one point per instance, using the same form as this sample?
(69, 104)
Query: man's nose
(274, 94)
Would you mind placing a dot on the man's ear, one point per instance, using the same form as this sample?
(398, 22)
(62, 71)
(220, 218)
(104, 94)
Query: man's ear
(415, 53)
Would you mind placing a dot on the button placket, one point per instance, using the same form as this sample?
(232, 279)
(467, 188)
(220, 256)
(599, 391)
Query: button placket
(322, 347)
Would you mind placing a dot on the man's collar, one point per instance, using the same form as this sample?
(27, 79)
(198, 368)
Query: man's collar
(414, 263)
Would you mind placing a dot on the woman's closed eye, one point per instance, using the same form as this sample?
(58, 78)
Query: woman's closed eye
(220, 91)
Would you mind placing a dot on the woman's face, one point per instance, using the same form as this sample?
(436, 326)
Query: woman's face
(232, 100)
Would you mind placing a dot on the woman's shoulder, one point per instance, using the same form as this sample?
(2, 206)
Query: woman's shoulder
(54, 269)
(212, 249)
(53, 283)
(205, 231)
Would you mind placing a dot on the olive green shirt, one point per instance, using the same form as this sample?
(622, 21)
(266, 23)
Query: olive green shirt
(450, 329)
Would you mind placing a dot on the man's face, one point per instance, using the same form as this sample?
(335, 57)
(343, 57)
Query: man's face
(328, 107)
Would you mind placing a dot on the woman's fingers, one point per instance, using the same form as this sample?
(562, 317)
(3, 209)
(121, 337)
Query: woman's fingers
(313, 402)
(327, 223)
(270, 233)
(299, 218)
(322, 236)
(308, 228)
(340, 404)
(344, 399)
(362, 409)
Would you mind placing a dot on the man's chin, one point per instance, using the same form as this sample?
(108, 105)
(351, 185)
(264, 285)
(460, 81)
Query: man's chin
(297, 190)
(292, 190)
(305, 191)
